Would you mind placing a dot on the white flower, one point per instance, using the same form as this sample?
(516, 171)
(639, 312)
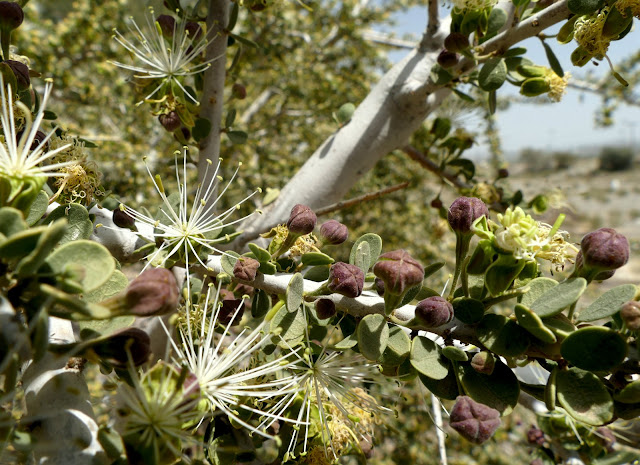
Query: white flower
(17, 159)
(187, 231)
(224, 363)
(157, 61)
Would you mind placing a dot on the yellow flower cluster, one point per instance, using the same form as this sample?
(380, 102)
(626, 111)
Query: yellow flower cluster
(474, 4)
(634, 5)
(558, 85)
(588, 33)
(304, 244)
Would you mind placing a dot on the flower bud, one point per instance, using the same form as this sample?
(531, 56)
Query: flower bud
(464, 211)
(630, 314)
(535, 436)
(447, 59)
(37, 140)
(474, 421)
(194, 30)
(483, 362)
(436, 203)
(334, 232)
(302, 220)
(399, 271)
(21, 72)
(154, 292)
(170, 121)
(456, 42)
(434, 311)
(123, 220)
(239, 91)
(604, 249)
(606, 438)
(167, 25)
(503, 173)
(346, 279)
(231, 312)
(11, 16)
(379, 286)
(325, 308)
(115, 348)
(246, 268)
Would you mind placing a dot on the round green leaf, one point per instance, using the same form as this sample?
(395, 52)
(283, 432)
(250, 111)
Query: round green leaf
(95, 259)
(446, 388)
(295, 291)
(493, 74)
(259, 253)
(537, 287)
(499, 390)
(455, 353)
(560, 325)
(398, 347)
(11, 221)
(316, 259)
(608, 303)
(559, 297)
(117, 282)
(425, 357)
(584, 397)
(502, 336)
(373, 336)
(261, 304)
(317, 274)
(80, 226)
(532, 323)
(467, 310)
(48, 239)
(594, 348)
(289, 325)
(375, 247)
(228, 261)
(38, 208)
(584, 7)
(630, 394)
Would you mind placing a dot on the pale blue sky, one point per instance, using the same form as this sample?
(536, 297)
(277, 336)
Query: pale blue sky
(568, 125)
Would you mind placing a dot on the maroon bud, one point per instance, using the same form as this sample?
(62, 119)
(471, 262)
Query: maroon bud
(447, 59)
(436, 203)
(604, 249)
(334, 232)
(302, 220)
(167, 25)
(379, 286)
(346, 279)
(537, 461)
(246, 268)
(456, 42)
(474, 421)
(21, 72)
(239, 91)
(11, 16)
(170, 121)
(630, 314)
(154, 292)
(399, 271)
(464, 211)
(231, 312)
(325, 308)
(191, 386)
(606, 438)
(535, 436)
(483, 362)
(115, 348)
(37, 140)
(194, 30)
(123, 220)
(503, 173)
(434, 311)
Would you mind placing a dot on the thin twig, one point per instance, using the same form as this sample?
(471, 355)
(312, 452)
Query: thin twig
(433, 25)
(363, 198)
(437, 417)
(418, 156)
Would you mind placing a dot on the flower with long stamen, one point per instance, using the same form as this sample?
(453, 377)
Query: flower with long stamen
(185, 232)
(224, 363)
(166, 63)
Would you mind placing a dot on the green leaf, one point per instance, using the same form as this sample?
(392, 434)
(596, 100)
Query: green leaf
(11, 221)
(80, 226)
(630, 394)
(426, 358)
(117, 283)
(439, 75)
(259, 253)
(318, 273)
(565, 34)
(38, 208)
(468, 310)
(534, 324)
(201, 129)
(501, 335)
(497, 19)
(512, 52)
(499, 390)
(608, 303)
(559, 297)
(245, 41)
(228, 261)
(348, 342)
(502, 272)
(375, 247)
(95, 260)
(446, 388)
(553, 60)
(230, 119)
(316, 259)
(295, 292)
(466, 167)
(373, 336)
(455, 354)
(237, 137)
(49, 238)
(492, 74)
(594, 348)
(584, 7)
(584, 397)
(537, 287)
(261, 304)
(21, 243)
(291, 326)
(463, 96)
(398, 347)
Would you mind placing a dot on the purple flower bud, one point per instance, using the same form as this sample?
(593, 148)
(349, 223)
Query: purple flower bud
(21, 72)
(122, 219)
(630, 314)
(170, 121)
(154, 292)
(115, 348)
(231, 312)
(604, 249)
(464, 211)
(246, 268)
(434, 311)
(239, 91)
(167, 25)
(334, 232)
(456, 42)
(474, 421)
(447, 59)
(503, 173)
(325, 308)
(11, 16)
(483, 362)
(535, 436)
(346, 279)
(37, 140)
(606, 438)
(194, 30)
(399, 271)
(379, 286)
(302, 220)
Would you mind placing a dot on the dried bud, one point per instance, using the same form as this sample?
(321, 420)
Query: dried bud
(231, 312)
(535, 436)
(239, 91)
(302, 220)
(474, 421)
(447, 59)
(399, 271)
(346, 279)
(194, 30)
(604, 249)
(606, 438)
(325, 308)
(334, 232)
(630, 314)
(167, 25)
(123, 220)
(464, 211)
(154, 292)
(115, 348)
(456, 42)
(21, 72)
(11, 16)
(434, 311)
(483, 362)
(170, 121)
(246, 268)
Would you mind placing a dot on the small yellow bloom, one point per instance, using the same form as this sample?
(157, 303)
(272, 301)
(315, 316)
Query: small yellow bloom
(558, 85)
(588, 33)
(623, 5)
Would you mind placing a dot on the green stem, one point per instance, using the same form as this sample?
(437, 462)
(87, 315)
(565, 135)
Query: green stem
(462, 248)
(274, 310)
(464, 278)
(286, 245)
(572, 310)
(5, 38)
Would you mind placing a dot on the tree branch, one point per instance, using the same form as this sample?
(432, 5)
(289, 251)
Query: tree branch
(430, 165)
(433, 25)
